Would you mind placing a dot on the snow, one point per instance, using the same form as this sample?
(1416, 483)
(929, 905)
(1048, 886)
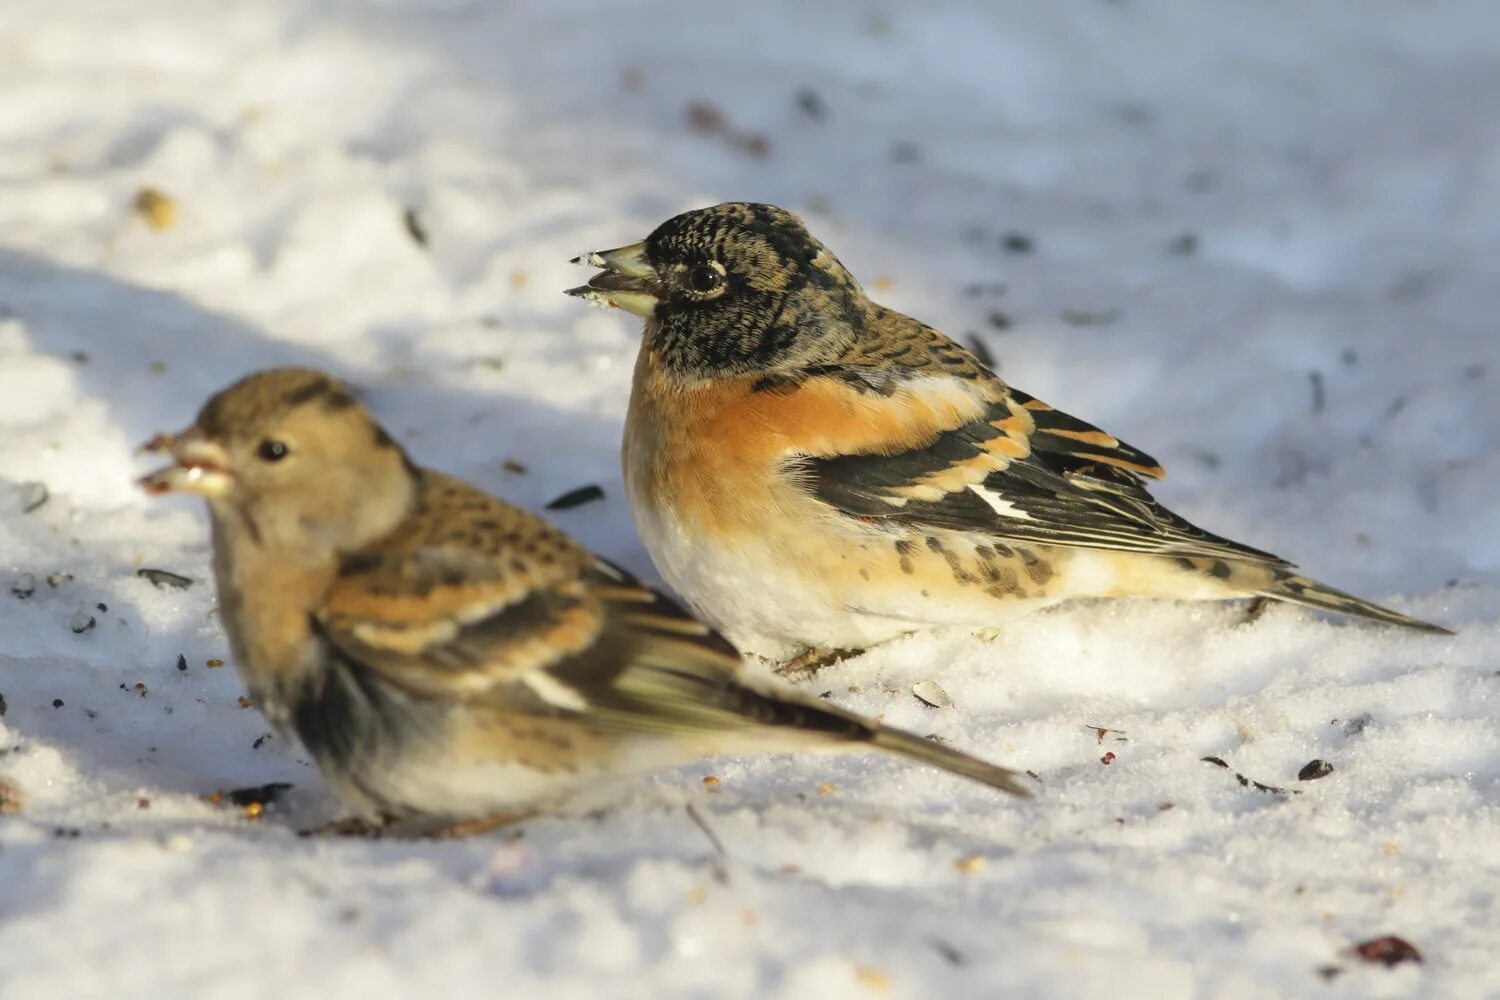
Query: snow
(1260, 241)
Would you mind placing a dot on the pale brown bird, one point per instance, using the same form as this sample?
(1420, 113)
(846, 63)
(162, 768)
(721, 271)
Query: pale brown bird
(815, 473)
(448, 660)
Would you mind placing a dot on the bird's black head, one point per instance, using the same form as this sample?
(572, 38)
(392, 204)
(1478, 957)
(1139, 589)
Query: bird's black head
(733, 289)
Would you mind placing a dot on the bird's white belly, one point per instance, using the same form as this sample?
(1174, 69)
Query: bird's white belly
(745, 589)
(444, 788)
(774, 602)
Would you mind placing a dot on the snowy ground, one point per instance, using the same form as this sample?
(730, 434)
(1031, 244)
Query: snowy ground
(1261, 241)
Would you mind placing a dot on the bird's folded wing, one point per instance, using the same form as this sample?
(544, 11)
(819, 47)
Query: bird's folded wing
(451, 622)
(469, 594)
(473, 598)
(1018, 470)
(598, 642)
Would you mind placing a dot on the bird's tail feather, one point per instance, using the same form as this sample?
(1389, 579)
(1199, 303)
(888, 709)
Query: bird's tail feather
(1294, 588)
(667, 690)
(797, 714)
(937, 755)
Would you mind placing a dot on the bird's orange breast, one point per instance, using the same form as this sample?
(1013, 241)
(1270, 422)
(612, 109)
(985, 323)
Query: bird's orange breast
(717, 453)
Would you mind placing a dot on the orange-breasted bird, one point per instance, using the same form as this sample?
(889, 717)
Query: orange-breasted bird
(814, 472)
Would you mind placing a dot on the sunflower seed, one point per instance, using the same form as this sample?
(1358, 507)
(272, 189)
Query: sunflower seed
(929, 694)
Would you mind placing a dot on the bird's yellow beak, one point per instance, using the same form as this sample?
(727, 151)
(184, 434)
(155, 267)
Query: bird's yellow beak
(627, 281)
(199, 466)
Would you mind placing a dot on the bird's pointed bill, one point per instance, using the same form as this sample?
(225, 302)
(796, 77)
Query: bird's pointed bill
(199, 466)
(626, 280)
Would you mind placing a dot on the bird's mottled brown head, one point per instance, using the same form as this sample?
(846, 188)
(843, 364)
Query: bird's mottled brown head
(293, 453)
(732, 289)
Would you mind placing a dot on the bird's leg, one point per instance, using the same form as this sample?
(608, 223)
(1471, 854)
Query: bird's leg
(350, 826)
(814, 660)
(1257, 607)
(472, 827)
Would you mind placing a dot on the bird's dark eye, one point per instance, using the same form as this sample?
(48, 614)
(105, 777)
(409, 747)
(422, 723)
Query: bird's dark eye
(705, 278)
(273, 451)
